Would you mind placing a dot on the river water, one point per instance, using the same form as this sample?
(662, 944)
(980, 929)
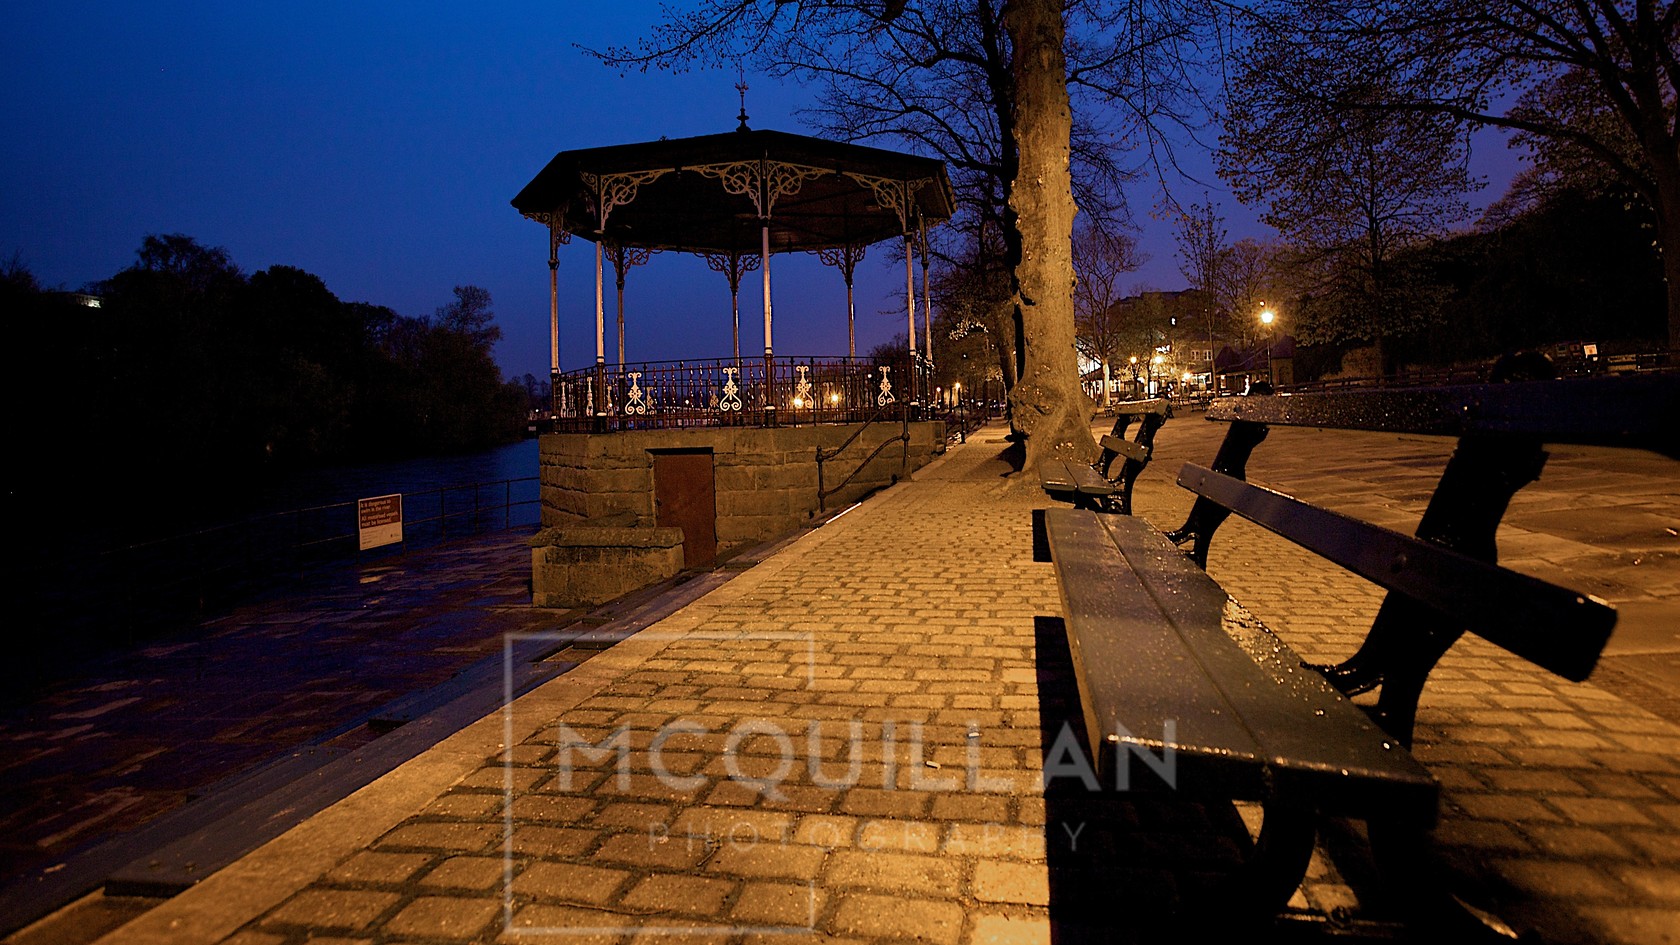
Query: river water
(111, 579)
(331, 485)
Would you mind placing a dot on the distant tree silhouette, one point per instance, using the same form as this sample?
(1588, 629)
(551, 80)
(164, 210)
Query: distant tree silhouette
(193, 375)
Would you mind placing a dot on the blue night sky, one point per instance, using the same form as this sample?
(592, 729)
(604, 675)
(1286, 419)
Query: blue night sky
(377, 145)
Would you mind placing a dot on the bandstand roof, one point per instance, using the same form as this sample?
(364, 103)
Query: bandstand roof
(705, 194)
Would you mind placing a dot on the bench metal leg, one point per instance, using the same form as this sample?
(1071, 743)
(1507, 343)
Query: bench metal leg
(1132, 468)
(1206, 516)
(1407, 639)
(1278, 863)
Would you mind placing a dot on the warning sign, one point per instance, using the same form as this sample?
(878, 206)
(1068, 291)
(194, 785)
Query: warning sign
(379, 521)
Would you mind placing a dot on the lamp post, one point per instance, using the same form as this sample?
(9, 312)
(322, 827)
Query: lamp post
(1266, 317)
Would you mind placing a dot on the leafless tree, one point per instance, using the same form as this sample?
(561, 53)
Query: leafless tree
(990, 87)
(1586, 82)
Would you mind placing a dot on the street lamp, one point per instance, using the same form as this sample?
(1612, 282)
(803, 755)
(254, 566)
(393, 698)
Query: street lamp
(1266, 317)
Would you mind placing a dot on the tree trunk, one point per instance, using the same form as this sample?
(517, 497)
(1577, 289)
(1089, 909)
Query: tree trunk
(1049, 407)
(1668, 245)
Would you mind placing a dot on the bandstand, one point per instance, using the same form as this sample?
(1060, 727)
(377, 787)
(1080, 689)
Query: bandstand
(730, 449)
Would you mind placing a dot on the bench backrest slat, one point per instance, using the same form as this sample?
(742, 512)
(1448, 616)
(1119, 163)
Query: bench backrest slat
(1139, 407)
(1554, 627)
(1126, 448)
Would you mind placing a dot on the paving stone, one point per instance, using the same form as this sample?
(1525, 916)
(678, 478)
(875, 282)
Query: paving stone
(899, 918)
(333, 908)
(467, 872)
(766, 861)
(905, 836)
(573, 925)
(680, 895)
(910, 873)
(570, 882)
(449, 836)
(539, 840)
(1600, 810)
(1024, 883)
(445, 917)
(1010, 930)
(787, 905)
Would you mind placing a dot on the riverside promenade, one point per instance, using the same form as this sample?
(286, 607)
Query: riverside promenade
(846, 742)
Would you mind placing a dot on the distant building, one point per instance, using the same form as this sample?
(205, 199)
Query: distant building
(1160, 345)
(1236, 369)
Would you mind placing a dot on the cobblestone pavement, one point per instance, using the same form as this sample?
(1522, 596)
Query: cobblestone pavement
(846, 743)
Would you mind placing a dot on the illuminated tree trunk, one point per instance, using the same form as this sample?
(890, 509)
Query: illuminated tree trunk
(1048, 406)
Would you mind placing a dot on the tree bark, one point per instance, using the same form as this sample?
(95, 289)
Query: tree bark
(1048, 406)
(1668, 245)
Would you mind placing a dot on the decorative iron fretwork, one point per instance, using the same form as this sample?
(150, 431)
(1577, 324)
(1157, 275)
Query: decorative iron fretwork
(559, 234)
(886, 396)
(845, 258)
(802, 387)
(762, 182)
(731, 399)
(616, 190)
(624, 257)
(633, 403)
(733, 266)
(899, 196)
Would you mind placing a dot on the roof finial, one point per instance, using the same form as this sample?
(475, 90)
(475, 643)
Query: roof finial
(741, 87)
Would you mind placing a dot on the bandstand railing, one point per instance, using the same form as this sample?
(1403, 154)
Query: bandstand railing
(778, 391)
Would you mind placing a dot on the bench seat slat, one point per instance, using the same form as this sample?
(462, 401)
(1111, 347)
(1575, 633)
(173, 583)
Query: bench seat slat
(1554, 627)
(1235, 694)
(1055, 476)
(1319, 746)
(1114, 625)
(1090, 482)
(1058, 477)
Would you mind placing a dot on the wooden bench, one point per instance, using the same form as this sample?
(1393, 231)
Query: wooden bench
(1169, 667)
(1100, 486)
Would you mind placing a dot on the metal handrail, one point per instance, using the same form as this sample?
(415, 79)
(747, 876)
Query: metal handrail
(825, 455)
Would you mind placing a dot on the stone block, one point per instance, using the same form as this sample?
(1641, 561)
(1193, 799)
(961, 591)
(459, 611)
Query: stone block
(573, 565)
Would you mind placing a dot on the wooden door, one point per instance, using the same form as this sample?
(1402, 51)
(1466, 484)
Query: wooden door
(684, 497)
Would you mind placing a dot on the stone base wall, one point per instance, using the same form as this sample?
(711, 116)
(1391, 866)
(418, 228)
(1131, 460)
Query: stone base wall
(765, 479)
(577, 565)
